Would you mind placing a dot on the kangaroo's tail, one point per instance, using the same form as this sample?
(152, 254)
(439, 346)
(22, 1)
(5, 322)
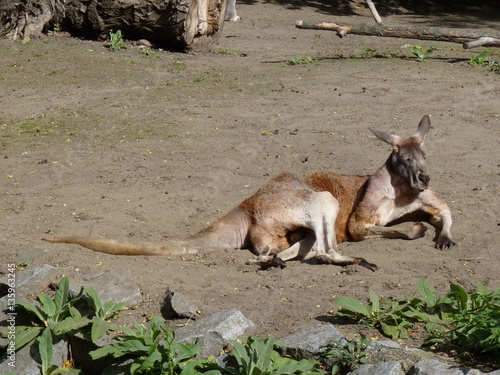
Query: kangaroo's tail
(230, 231)
(125, 248)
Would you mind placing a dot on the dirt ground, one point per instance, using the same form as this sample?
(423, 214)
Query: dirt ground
(144, 148)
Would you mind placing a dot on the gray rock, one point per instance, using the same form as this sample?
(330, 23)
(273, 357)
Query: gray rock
(27, 255)
(382, 368)
(225, 360)
(116, 285)
(434, 367)
(35, 279)
(27, 360)
(383, 351)
(310, 343)
(382, 344)
(213, 332)
(178, 305)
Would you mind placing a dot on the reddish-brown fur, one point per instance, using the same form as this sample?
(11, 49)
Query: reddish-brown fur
(349, 191)
(302, 218)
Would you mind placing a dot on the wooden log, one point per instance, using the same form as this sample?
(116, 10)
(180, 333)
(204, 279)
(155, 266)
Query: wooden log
(174, 24)
(484, 41)
(342, 30)
(396, 31)
(373, 11)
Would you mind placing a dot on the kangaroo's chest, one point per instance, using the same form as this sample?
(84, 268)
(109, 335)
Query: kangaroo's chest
(391, 202)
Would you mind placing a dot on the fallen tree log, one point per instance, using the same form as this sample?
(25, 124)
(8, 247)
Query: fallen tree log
(176, 24)
(484, 41)
(397, 31)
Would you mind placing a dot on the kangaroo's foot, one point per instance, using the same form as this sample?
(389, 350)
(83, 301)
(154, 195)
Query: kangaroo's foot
(268, 261)
(328, 259)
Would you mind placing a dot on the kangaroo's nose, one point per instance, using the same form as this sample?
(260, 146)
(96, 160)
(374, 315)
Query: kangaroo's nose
(424, 178)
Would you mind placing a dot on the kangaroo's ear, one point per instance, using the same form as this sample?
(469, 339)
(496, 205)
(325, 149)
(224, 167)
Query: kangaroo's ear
(423, 128)
(392, 139)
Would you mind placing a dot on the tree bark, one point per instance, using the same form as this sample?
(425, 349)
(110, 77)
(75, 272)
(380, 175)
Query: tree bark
(175, 24)
(411, 32)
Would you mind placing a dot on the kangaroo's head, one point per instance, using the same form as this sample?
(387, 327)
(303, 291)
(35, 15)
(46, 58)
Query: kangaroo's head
(407, 158)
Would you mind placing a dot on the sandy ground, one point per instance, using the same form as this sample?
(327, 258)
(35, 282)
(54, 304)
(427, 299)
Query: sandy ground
(130, 147)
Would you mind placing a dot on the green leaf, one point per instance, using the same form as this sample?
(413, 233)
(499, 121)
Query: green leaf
(390, 331)
(95, 299)
(375, 302)
(264, 353)
(48, 304)
(25, 336)
(185, 351)
(133, 346)
(62, 293)
(482, 289)
(426, 289)
(100, 327)
(190, 369)
(291, 366)
(128, 331)
(351, 306)
(70, 324)
(240, 354)
(105, 351)
(45, 350)
(110, 308)
(460, 295)
(31, 308)
(66, 371)
(74, 312)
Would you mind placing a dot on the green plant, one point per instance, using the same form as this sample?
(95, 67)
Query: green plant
(468, 321)
(24, 264)
(484, 58)
(154, 350)
(347, 354)
(370, 53)
(102, 312)
(58, 316)
(395, 317)
(420, 53)
(298, 60)
(149, 53)
(258, 357)
(476, 321)
(227, 51)
(116, 41)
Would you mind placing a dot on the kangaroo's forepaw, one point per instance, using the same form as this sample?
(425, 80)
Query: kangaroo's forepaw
(444, 243)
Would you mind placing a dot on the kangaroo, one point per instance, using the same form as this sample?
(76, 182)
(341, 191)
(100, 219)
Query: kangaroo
(305, 218)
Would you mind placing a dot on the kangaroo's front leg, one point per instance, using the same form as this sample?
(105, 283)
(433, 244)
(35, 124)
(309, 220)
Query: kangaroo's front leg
(440, 218)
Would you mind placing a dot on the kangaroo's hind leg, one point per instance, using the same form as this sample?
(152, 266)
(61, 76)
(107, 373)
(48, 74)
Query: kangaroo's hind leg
(326, 209)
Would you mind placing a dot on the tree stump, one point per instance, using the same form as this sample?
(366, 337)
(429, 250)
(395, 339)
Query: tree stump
(174, 24)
